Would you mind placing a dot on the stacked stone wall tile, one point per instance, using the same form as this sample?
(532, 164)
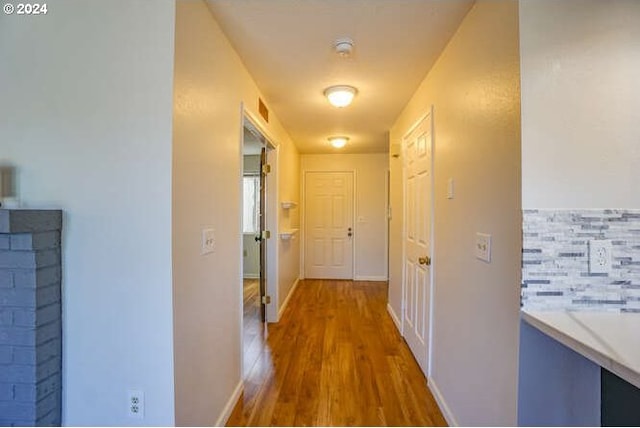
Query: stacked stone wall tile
(30, 318)
(555, 260)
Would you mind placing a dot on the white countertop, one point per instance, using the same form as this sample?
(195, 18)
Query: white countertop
(609, 339)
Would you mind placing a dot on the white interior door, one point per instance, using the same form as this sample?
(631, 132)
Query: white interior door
(417, 240)
(328, 230)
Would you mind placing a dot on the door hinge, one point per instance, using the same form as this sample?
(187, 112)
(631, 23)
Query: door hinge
(266, 234)
(266, 169)
(266, 300)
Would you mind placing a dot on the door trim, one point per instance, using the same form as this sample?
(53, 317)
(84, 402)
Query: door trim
(272, 212)
(303, 218)
(432, 270)
(273, 149)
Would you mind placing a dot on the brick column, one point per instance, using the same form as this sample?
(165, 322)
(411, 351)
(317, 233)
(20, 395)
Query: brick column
(30, 318)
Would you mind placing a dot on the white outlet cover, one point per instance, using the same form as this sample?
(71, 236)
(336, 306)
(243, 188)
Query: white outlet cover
(450, 188)
(208, 241)
(600, 256)
(135, 403)
(483, 247)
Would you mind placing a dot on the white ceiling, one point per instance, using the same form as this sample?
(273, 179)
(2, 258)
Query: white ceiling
(287, 45)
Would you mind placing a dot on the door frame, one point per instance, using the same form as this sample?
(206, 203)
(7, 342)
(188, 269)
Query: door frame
(272, 212)
(247, 118)
(303, 218)
(431, 238)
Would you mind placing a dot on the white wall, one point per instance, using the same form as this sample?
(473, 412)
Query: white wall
(250, 256)
(474, 87)
(86, 117)
(580, 150)
(210, 85)
(250, 248)
(370, 224)
(580, 63)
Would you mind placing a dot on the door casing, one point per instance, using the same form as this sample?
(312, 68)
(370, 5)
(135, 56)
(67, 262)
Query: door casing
(250, 120)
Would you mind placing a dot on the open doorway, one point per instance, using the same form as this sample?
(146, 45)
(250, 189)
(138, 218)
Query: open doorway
(253, 311)
(258, 250)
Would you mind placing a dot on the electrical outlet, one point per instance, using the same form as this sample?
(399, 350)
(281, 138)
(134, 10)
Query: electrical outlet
(599, 256)
(136, 404)
(483, 247)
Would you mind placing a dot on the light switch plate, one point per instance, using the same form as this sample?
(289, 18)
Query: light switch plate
(208, 241)
(450, 188)
(483, 247)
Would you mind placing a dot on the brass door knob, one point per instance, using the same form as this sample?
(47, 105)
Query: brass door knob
(426, 260)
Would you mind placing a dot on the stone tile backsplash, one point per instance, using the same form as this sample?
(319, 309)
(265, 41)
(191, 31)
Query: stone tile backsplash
(555, 260)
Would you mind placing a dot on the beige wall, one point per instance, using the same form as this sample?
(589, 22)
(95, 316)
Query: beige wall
(210, 85)
(288, 251)
(474, 87)
(370, 217)
(580, 103)
(85, 112)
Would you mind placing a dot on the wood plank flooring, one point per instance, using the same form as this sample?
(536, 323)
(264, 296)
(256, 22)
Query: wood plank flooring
(253, 328)
(335, 358)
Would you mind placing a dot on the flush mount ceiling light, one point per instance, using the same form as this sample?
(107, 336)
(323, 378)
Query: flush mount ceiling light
(341, 95)
(338, 142)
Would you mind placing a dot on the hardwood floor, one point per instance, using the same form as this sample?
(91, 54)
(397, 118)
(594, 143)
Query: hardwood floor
(253, 328)
(335, 358)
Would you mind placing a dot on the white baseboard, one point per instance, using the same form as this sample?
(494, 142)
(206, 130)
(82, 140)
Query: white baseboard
(370, 278)
(231, 403)
(446, 411)
(394, 318)
(286, 301)
(251, 276)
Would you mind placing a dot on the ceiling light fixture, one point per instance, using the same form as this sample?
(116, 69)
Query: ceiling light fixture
(338, 142)
(341, 95)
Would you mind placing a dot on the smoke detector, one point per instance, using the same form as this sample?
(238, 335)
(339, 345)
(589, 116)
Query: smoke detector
(344, 47)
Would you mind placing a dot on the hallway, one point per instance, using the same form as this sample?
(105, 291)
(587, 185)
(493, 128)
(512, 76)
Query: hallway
(336, 358)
